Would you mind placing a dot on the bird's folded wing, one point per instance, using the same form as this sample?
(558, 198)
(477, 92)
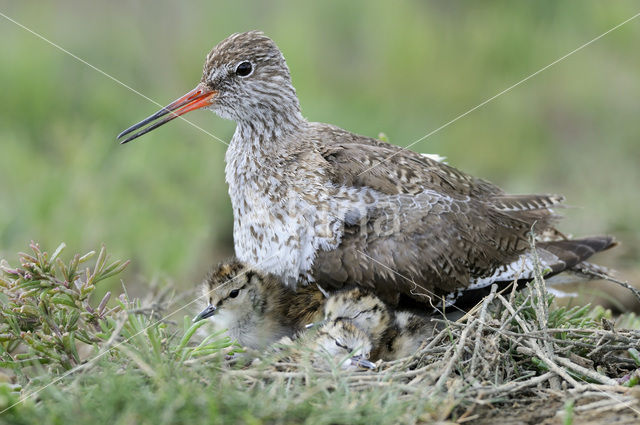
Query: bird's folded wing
(440, 224)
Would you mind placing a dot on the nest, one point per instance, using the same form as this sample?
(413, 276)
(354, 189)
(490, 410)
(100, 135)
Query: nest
(510, 347)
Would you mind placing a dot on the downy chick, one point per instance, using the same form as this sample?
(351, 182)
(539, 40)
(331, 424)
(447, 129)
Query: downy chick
(393, 335)
(366, 311)
(411, 333)
(344, 342)
(256, 308)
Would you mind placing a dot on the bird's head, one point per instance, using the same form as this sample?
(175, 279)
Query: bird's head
(365, 310)
(233, 293)
(245, 79)
(344, 342)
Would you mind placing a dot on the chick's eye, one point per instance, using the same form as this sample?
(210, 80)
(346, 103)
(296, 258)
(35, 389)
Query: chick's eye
(244, 69)
(234, 293)
(341, 345)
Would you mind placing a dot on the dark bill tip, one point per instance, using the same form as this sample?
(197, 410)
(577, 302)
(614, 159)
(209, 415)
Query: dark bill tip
(207, 312)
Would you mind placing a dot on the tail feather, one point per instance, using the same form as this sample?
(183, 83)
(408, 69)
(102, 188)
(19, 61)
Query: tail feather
(571, 252)
(509, 203)
(551, 257)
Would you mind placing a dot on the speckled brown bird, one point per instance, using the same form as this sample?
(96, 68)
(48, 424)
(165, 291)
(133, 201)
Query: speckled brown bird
(314, 202)
(256, 308)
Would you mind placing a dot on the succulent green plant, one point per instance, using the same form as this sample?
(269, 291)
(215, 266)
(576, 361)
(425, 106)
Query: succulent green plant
(46, 310)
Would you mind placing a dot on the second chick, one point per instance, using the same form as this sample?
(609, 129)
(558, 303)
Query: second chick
(393, 334)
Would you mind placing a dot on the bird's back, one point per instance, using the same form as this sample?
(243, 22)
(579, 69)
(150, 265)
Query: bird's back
(424, 228)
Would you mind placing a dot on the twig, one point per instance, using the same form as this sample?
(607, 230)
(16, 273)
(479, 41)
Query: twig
(540, 306)
(586, 372)
(479, 329)
(605, 405)
(458, 352)
(515, 386)
(626, 285)
(538, 351)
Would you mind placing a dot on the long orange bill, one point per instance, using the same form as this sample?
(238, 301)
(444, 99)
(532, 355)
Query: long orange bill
(195, 99)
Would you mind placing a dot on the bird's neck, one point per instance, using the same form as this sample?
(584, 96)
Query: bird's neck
(269, 118)
(267, 133)
(261, 145)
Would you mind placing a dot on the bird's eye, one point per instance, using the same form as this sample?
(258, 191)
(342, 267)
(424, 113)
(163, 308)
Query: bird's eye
(234, 293)
(341, 345)
(244, 69)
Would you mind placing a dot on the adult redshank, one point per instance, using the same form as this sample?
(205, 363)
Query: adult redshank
(313, 202)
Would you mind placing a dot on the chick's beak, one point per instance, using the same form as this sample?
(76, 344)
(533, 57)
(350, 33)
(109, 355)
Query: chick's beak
(362, 362)
(207, 312)
(197, 98)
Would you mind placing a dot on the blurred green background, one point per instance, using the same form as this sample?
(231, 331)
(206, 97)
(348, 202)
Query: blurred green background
(403, 68)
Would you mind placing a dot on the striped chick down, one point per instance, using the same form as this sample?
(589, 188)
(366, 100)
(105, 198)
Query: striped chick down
(393, 334)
